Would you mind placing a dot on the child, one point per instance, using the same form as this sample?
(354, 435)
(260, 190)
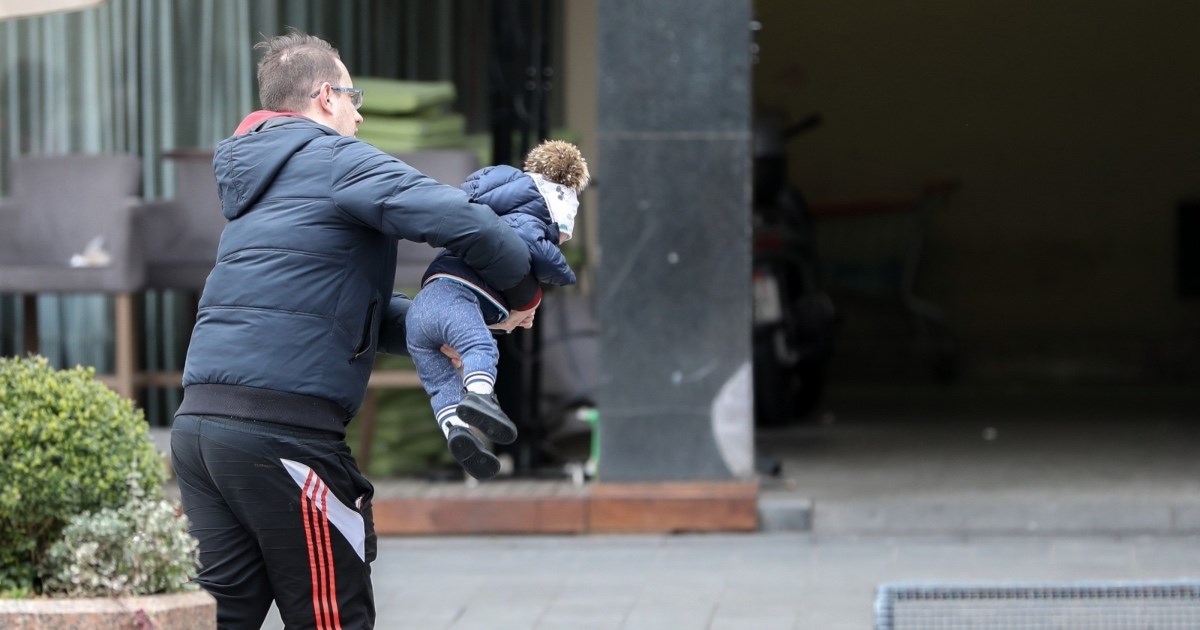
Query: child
(456, 308)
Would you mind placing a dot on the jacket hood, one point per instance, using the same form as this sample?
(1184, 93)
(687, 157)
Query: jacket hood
(247, 163)
(506, 189)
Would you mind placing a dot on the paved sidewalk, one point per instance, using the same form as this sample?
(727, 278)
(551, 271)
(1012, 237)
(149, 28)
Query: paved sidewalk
(721, 582)
(905, 492)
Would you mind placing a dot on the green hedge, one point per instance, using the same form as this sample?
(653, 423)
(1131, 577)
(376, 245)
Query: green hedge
(67, 446)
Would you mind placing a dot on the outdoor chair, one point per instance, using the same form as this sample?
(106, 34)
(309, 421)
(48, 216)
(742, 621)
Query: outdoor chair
(58, 205)
(182, 233)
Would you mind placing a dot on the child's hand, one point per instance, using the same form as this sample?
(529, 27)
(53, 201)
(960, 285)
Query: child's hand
(516, 319)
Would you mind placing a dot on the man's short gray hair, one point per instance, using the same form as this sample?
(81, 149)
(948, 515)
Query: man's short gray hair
(294, 65)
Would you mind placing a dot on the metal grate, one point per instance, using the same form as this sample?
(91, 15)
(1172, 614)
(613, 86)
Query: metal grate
(1171, 605)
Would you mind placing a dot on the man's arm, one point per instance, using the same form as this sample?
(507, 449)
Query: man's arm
(393, 335)
(388, 195)
(548, 264)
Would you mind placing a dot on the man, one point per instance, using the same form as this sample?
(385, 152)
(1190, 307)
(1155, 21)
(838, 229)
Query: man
(289, 322)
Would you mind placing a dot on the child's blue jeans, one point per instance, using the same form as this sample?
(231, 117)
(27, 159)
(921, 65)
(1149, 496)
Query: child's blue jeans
(447, 312)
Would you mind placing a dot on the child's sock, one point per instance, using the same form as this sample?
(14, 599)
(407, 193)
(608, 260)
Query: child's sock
(479, 383)
(448, 419)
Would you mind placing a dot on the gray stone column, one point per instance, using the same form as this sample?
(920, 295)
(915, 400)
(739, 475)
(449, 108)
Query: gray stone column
(674, 297)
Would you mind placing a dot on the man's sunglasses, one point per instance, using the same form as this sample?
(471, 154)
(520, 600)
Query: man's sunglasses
(355, 94)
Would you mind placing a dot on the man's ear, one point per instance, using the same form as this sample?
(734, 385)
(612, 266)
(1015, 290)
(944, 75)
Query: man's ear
(328, 100)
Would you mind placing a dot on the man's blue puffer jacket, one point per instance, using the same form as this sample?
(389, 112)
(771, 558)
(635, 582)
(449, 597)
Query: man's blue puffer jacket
(514, 196)
(302, 292)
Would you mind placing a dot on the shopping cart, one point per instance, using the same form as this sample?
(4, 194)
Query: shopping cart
(869, 252)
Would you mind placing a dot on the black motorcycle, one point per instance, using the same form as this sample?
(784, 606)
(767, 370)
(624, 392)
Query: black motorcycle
(794, 319)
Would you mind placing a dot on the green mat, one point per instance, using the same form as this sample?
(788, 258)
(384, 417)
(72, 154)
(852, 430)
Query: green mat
(480, 143)
(390, 144)
(392, 96)
(404, 128)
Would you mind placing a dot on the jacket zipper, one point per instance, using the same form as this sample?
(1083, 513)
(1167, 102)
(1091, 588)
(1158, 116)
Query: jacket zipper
(364, 344)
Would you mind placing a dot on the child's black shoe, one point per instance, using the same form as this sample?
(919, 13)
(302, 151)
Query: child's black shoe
(472, 454)
(484, 413)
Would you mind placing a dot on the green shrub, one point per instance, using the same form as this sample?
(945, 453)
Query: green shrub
(140, 548)
(67, 446)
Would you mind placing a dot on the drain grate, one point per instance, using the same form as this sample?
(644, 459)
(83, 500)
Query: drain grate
(1171, 605)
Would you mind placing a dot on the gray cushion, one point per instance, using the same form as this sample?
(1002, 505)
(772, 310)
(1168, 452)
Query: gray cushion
(60, 203)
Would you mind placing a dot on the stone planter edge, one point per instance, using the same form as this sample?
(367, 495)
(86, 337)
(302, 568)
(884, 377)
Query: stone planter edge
(191, 610)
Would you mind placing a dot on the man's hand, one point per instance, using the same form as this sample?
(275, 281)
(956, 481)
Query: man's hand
(527, 318)
(454, 358)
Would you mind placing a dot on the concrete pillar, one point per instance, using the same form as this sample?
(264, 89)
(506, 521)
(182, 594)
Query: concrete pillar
(674, 297)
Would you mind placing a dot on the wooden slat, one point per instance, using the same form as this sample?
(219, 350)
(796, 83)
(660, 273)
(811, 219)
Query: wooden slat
(513, 508)
(673, 507)
(674, 490)
(125, 345)
(394, 378)
(29, 313)
(161, 379)
(419, 516)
